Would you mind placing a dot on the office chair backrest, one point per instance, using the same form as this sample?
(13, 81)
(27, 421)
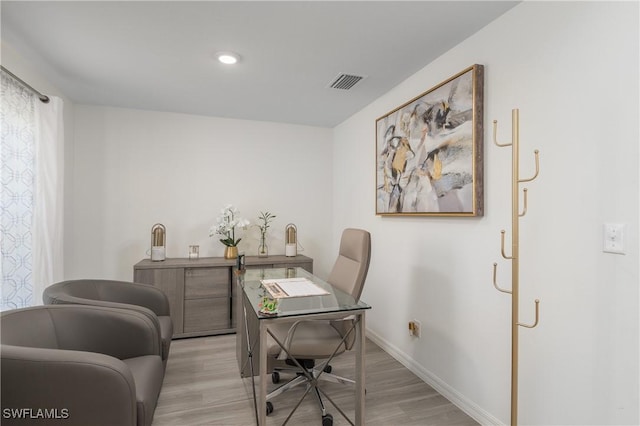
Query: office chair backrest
(350, 270)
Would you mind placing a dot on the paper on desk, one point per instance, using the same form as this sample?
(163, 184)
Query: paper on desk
(292, 287)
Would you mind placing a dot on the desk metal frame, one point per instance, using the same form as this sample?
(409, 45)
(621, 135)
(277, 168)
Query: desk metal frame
(260, 399)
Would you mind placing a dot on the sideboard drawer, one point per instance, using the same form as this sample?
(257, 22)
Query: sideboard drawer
(206, 282)
(205, 314)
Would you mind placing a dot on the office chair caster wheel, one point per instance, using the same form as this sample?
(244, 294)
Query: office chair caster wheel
(269, 408)
(275, 377)
(327, 369)
(327, 420)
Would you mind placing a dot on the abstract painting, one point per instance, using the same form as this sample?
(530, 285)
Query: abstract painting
(429, 151)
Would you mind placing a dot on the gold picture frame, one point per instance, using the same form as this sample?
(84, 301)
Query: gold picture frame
(429, 151)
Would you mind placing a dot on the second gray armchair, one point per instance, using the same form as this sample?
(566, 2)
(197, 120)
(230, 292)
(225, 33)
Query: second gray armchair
(143, 298)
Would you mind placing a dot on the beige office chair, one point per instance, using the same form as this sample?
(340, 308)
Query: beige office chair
(309, 340)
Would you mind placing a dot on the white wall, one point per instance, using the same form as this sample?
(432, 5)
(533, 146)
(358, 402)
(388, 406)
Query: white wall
(572, 70)
(136, 168)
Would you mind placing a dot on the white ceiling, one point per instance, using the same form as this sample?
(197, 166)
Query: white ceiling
(158, 55)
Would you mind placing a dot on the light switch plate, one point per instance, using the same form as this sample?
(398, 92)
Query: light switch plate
(613, 238)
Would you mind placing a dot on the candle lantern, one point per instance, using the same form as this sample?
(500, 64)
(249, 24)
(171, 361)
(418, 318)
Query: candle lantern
(291, 240)
(158, 242)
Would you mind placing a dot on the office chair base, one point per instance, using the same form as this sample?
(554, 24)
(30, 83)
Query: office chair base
(275, 376)
(328, 377)
(327, 420)
(308, 364)
(301, 378)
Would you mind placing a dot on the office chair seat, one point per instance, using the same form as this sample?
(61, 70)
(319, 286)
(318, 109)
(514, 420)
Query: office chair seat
(312, 338)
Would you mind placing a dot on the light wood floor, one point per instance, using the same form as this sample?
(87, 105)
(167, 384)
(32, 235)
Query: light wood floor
(202, 386)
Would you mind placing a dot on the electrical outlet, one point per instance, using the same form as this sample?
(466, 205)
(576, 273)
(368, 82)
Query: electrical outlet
(614, 238)
(414, 328)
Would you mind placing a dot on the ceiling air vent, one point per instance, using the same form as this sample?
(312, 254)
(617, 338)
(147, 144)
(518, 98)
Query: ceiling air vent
(345, 81)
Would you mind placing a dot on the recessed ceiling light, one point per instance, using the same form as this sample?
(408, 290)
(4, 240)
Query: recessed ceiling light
(227, 58)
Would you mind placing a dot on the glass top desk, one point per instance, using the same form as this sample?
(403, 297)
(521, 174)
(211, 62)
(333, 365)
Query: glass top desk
(252, 326)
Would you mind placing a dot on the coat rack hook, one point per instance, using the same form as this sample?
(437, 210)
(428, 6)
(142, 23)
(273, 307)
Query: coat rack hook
(524, 199)
(495, 267)
(495, 132)
(536, 154)
(537, 302)
(502, 245)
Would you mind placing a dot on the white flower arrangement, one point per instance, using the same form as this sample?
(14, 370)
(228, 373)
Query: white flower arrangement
(226, 226)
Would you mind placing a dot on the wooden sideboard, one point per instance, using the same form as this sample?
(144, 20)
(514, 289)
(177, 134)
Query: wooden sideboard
(201, 291)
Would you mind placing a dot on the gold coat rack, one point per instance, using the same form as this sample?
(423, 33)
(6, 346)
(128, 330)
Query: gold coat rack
(516, 214)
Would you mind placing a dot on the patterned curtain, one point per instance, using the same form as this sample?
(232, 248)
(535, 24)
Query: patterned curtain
(17, 179)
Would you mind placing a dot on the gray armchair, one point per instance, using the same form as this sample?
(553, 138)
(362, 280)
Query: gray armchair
(143, 298)
(309, 340)
(79, 365)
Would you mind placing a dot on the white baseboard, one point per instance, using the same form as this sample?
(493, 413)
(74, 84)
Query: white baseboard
(456, 398)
